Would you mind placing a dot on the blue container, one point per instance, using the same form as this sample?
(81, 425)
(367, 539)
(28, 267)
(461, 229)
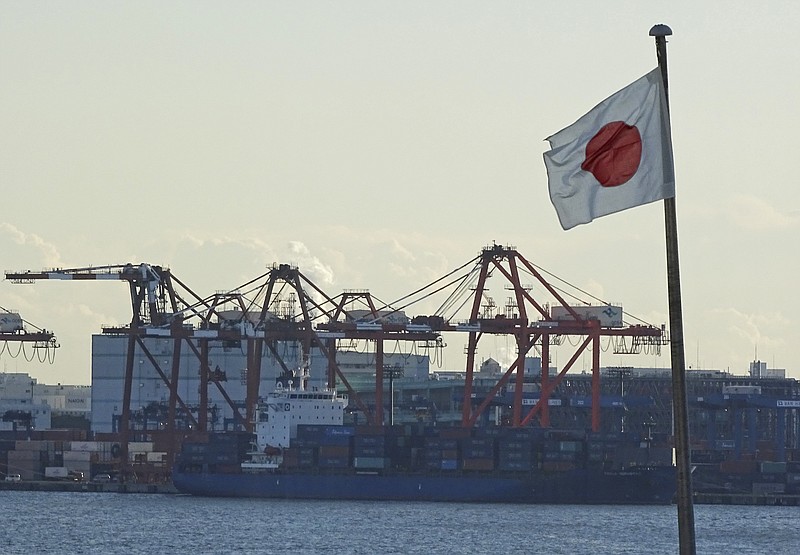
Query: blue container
(524, 433)
(369, 451)
(220, 458)
(516, 456)
(441, 443)
(514, 466)
(194, 448)
(334, 462)
(338, 431)
(307, 452)
(507, 444)
(359, 441)
(335, 440)
(489, 431)
(479, 452)
(478, 442)
(449, 464)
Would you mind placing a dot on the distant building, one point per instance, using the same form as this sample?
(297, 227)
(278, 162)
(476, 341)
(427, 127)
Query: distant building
(758, 369)
(19, 408)
(65, 400)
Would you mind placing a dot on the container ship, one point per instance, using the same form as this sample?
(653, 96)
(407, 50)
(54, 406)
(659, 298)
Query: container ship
(302, 449)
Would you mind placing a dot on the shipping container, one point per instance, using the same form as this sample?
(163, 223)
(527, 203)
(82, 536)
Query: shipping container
(10, 322)
(607, 315)
(725, 444)
(211, 458)
(557, 466)
(559, 456)
(766, 488)
(194, 448)
(479, 452)
(455, 432)
(156, 457)
(22, 455)
(335, 451)
(773, 467)
(92, 446)
(369, 430)
(516, 456)
(441, 443)
(515, 466)
(524, 434)
(738, 467)
(449, 454)
(369, 451)
(448, 464)
(371, 440)
(56, 473)
(33, 445)
(478, 464)
(77, 456)
(507, 444)
(370, 463)
(334, 439)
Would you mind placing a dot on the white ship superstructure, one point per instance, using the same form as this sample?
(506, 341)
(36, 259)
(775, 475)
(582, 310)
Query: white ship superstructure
(287, 407)
(280, 414)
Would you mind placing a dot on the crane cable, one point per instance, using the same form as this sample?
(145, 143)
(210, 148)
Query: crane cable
(575, 287)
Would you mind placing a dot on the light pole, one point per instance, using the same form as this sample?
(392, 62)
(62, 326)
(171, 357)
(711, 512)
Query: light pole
(392, 372)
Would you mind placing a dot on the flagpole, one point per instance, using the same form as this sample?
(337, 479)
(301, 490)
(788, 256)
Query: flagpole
(680, 408)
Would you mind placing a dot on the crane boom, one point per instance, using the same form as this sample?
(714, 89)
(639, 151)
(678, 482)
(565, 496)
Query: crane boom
(146, 281)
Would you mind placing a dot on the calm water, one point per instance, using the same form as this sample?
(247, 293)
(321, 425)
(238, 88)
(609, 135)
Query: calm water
(65, 523)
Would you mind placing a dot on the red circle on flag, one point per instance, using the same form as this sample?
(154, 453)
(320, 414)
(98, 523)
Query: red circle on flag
(613, 154)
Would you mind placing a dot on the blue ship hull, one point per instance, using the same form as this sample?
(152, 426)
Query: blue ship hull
(580, 486)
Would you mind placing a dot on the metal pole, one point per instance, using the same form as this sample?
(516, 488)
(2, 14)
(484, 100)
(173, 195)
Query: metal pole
(391, 394)
(684, 482)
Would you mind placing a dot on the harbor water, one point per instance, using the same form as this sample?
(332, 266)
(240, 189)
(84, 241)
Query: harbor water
(110, 523)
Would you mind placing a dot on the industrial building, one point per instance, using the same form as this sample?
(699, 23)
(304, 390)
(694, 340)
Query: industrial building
(25, 403)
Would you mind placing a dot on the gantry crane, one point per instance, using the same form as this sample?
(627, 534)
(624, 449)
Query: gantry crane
(534, 323)
(162, 306)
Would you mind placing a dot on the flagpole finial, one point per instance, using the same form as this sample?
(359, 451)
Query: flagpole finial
(660, 30)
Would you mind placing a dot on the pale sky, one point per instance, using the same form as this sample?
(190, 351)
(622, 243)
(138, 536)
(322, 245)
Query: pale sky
(380, 145)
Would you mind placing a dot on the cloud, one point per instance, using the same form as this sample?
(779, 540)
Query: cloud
(760, 329)
(401, 252)
(210, 263)
(756, 214)
(28, 248)
(727, 337)
(311, 266)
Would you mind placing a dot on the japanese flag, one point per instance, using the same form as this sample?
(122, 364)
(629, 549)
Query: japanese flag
(617, 156)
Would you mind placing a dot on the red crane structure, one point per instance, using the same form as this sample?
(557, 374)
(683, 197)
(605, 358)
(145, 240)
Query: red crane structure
(284, 305)
(541, 323)
(164, 307)
(535, 323)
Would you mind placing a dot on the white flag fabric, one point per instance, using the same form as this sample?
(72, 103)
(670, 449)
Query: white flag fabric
(617, 156)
